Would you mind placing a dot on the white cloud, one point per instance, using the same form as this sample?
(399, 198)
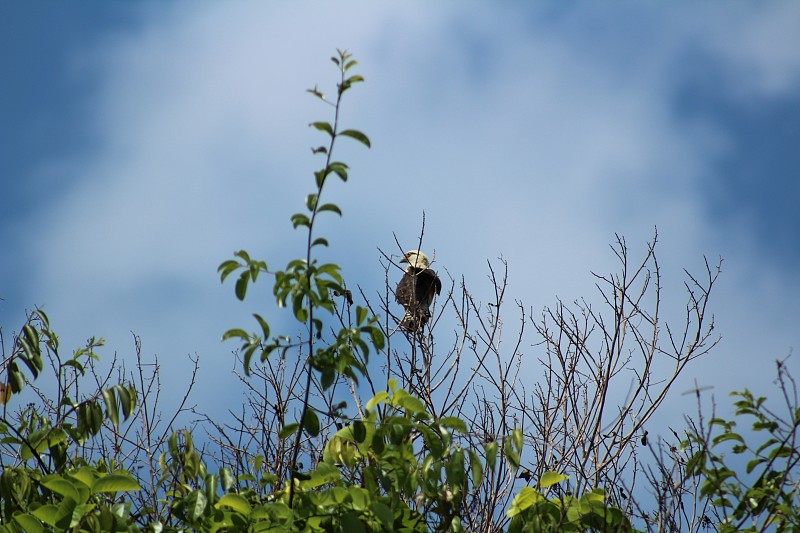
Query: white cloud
(760, 47)
(515, 131)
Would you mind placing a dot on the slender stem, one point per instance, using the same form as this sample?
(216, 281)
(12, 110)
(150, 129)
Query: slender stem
(310, 368)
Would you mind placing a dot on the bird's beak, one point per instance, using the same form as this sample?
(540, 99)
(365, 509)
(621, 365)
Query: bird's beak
(404, 259)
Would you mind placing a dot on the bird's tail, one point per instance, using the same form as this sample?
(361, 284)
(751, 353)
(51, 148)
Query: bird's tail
(415, 319)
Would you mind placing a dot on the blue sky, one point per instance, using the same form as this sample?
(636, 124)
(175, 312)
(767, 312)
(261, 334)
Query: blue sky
(142, 143)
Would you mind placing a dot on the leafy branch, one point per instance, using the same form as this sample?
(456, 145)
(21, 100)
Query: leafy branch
(307, 286)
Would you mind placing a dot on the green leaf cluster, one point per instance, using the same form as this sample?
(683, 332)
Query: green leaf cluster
(79, 499)
(45, 485)
(531, 511)
(771, 500)
(306, 286)
(309, 287)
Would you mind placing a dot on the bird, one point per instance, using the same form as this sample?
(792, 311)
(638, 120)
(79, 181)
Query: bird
(416, 290)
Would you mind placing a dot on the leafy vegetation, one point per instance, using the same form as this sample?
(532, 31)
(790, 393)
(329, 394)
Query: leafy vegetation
(432, 447)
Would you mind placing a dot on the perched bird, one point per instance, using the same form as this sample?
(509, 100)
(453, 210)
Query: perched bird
(416, 290)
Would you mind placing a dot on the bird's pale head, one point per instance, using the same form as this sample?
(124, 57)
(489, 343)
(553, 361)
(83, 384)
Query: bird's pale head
(416, 259)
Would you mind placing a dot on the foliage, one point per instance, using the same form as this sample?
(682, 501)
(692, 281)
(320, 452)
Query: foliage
(46, 482)
(736, 480)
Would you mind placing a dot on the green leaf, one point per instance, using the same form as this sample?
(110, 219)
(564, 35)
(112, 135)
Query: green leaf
(327, 378)
(236, 332)
(782, 451)
(241, 285)
(726, 437)
(551, 478)
(311, 423)
(29, 523)
(330, 207)
(350, 81)
(299, 219)
(320, 241)
(311, 201)
(453, 422)
(16, 378)
(323, 474)
(323, 126)
(85, 475)
(110, 398)
(331, 270)
(45, 439)
(380, 397)
(319, 177)
(288, 430)
(62, 486)
(360, 498)
(226, 478)
(339, 168)
(76, 365)
(526, 498)
(597, 495)
(511, 455)
(236, 502)
(226, 268)
(512, 447)
(476, 465)
(769, 442)
(517, 438)
(93, 418)
(359, 431)
(357, 135)
(127, 399)
(433, 441)
(412, 404)
(696, 463)
(454, 467)
(262, 324)
(115, 483)
(47, 513)
(300, 312)
(376, 335)
(490, 449)
(754, 463)
(196, 503)
(384, 514)
(351, 523)
(769, 425)
(243, 255)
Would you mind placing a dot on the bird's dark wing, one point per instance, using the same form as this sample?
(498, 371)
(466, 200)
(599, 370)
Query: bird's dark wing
(428, 285)
(404, 293)
(437, 283)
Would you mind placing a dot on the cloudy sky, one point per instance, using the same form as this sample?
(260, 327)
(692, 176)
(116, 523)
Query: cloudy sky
(142, 143)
